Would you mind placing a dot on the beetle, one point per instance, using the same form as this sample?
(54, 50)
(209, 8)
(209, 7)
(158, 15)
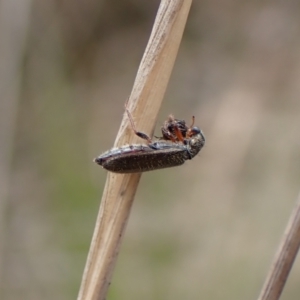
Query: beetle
(178, 144)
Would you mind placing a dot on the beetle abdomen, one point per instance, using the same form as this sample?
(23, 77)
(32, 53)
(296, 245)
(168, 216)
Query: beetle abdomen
(142, 161)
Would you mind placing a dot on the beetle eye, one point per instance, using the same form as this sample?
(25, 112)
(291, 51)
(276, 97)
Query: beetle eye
(195, 130)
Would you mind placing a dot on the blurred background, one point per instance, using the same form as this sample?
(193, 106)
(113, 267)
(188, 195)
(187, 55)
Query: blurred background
(206, 230)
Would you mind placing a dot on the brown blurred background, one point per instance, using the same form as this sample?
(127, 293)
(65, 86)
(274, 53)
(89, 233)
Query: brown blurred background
(206, 230)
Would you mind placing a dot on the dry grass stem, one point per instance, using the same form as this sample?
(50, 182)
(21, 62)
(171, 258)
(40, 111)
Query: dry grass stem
(284, 259)
(145, 100)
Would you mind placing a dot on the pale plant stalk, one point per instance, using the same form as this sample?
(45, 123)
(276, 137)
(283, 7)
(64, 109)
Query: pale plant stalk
(284, 259)
(145, 100)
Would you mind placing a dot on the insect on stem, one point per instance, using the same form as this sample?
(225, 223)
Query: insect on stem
(178, 144)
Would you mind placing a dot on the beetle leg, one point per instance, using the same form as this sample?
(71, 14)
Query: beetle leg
(167, 134)
(178, 134)
(142, 135)
(190, 130)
